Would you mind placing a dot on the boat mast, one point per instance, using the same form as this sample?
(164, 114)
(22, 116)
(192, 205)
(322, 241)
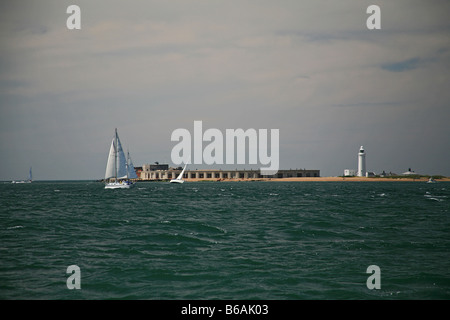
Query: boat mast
(115, 157)
(128, 160)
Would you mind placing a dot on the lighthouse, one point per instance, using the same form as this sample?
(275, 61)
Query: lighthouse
(361, 163)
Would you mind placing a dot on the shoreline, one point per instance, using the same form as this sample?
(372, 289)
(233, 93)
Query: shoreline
(313, 179)
(358, 179)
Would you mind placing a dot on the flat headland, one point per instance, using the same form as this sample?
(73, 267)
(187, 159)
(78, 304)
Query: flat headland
(359, 179)
(330, 179)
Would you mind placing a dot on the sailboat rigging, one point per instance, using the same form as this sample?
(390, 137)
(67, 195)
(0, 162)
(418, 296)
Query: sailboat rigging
(119, 170)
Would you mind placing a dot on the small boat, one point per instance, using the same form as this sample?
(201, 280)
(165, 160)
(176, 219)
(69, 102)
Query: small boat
(431, 180)
(119, 170)
(30, 178)
(179, 179)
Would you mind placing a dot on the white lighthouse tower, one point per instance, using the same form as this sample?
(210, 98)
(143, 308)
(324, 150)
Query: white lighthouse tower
(361, 163)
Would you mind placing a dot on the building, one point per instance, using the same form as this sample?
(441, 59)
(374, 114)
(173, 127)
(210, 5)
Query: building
(361, 163)
(217, 174)
(409, 172)
(155, 166)
(349, 172)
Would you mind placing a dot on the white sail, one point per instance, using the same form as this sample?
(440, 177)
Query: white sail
(121, 162)
(179, 179)
(180, 176)
(30, 176)
(131, 172)
(110, 167)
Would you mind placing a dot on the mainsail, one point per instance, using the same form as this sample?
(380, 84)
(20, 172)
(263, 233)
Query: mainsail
(121, 161)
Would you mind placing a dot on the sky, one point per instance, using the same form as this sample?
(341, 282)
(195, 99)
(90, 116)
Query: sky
(311, 69)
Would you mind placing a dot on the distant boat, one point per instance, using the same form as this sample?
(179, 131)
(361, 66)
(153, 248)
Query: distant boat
(131, 171)
(431, 180)
(119, 170)
(30, 178)
(179, 179)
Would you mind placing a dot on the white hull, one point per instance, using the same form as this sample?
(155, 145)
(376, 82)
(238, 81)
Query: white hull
(119, 185)
(21, 181)
(176, 181)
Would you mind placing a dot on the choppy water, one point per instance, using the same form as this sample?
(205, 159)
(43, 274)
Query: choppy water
(228, 240)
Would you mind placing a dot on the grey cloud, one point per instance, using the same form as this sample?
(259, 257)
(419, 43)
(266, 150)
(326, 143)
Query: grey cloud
(405, 65)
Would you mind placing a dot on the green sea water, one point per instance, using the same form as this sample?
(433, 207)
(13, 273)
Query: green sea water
(225, 240)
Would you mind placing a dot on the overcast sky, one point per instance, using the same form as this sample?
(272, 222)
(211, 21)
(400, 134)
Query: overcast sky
(311, 69)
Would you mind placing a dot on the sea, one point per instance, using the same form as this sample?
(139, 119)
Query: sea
(255, 240)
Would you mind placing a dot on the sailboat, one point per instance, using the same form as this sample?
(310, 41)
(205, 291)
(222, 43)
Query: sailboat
(179, 179)
(119, 170)
(30, 178)
(431, 180)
